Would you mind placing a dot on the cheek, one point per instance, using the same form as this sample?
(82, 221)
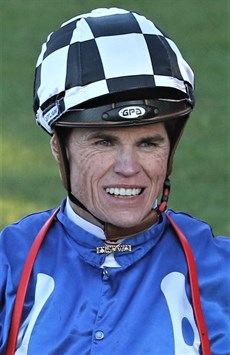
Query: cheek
(156, 171)
(158, 165)
(85, 174)
(162, 165)
(79, 170)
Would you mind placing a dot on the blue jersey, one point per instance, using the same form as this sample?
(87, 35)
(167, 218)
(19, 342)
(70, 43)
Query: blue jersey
(75, 306)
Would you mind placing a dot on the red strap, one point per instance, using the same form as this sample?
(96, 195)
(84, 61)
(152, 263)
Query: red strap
(23, 285)
(205, 345)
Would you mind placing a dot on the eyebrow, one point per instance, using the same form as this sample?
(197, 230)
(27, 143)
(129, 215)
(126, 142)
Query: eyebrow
(115, 138)
(103, 135)
(155, 138)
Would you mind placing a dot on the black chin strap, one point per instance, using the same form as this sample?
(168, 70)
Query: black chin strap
(113, 232)
(165, 196)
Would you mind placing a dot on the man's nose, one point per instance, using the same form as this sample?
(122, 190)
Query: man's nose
(127, 163)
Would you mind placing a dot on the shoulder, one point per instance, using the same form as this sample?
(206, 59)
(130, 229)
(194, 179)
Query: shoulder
(23, 231)
(196, 228)
(212, 257)
(207, 248)
(31, 220)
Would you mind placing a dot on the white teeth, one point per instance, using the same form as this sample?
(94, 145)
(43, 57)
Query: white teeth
(116, 191)
(122, 191)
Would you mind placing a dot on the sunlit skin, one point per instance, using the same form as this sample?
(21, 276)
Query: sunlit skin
(132, 159)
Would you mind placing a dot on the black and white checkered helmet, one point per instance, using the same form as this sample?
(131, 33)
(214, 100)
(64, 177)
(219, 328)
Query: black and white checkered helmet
(110, 56)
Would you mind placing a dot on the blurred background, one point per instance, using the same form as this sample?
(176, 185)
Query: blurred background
(200, 181)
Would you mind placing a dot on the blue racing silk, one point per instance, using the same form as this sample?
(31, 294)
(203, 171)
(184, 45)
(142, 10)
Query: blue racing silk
(75, 306)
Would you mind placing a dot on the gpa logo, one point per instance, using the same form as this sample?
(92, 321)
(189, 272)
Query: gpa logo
(131, 112)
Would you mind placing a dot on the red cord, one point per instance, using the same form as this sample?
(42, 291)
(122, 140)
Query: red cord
(205, 345)
(23, 285)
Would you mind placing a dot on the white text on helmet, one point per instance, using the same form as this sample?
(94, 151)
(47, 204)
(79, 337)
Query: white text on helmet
(131, 112)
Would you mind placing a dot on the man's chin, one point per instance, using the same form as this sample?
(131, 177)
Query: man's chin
(128, 222)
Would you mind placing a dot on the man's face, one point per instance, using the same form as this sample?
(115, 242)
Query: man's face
(118, 173)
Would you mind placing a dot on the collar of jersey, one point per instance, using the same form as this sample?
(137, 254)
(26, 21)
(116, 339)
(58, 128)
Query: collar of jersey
(81, 222)
(86, 238)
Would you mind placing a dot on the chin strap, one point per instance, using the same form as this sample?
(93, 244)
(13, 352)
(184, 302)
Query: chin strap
(165, 196)
(112, 232)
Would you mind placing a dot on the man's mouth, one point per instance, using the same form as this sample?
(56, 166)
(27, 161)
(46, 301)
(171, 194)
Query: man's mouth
(123, 192)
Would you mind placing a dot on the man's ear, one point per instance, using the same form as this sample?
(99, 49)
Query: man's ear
(57, 153)
(55, 148)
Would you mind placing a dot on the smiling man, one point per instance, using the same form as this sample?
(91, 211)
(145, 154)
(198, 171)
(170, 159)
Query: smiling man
(112, 269)
(117, 173)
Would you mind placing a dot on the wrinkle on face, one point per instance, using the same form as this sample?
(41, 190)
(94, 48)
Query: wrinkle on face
(120, 157)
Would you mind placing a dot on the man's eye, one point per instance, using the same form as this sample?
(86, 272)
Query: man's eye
(149, 144)
(104, 142)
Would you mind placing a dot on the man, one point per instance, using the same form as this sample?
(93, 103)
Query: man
(111, 270)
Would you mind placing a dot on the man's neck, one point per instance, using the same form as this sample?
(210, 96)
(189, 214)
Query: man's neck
(112, 232)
